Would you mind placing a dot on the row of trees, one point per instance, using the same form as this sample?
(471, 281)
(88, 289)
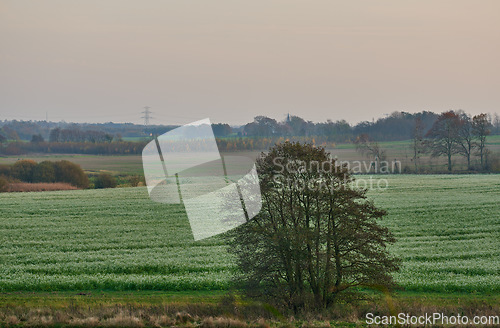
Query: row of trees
(135, 147)
(396, 126)
(263, 126)
(102, 148)
(453, 133)
(77, 135)
(24, 130)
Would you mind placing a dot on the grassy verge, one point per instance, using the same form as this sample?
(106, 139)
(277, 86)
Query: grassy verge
(209, 309)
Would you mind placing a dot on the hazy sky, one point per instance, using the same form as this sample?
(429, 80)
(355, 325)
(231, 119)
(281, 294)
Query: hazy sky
(231, 60)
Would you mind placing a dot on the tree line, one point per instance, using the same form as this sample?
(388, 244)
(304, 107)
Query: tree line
(24, 130)
(102, 148)
(76, 135)
(120, 147)
(447, 134)
(452, 133)
(396, 126)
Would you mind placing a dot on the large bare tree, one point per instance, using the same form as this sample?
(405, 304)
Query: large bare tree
(444, 135)
(366, 146)
(316, 237)
(465, 137)
(481, 129)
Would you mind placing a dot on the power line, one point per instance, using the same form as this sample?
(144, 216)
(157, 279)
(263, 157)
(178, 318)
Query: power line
(147, 115)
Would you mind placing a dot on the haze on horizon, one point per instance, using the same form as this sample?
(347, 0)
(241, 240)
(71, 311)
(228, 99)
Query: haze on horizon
(98, 61)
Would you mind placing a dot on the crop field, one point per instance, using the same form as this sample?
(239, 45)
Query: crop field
(448, 230)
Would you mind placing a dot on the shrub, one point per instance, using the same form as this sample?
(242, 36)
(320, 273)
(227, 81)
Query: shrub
(494, 163)
(5, 170)
(135, 180)
(44, 172)
(3, 184)
(72, 173)
(105, 180)
(23, 170)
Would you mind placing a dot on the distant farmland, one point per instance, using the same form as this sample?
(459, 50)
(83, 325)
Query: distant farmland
(448, 230)
(132, 164)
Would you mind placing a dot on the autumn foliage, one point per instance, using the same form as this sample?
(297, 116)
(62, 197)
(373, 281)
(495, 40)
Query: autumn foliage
(310, 247)
(29, 171)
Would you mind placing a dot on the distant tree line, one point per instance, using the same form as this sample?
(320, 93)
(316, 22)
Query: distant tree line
(396, 126)
(24, 130)
(295, 126)
(229, 144)
(262, 133)
(77, 135)
(103, 148)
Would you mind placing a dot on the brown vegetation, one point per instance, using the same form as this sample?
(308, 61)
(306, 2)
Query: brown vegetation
(105, 180)
(29, 171)
(3, 184)
(28, 187)
(76, 314)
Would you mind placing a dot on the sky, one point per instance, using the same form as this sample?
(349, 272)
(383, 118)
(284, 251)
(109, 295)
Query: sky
(231, 60)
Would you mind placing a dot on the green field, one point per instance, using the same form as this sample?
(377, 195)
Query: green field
(448, 230)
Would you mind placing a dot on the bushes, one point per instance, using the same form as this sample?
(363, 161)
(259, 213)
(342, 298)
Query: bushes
(3, 184)
(29, 171)
(66, 171)
(5, 170)
(493, 163)
(44, 172)
(105, 180)
(135, 180)
(49, 172)
(23, 170)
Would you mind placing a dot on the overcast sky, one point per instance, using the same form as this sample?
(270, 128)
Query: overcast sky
(99, 61)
